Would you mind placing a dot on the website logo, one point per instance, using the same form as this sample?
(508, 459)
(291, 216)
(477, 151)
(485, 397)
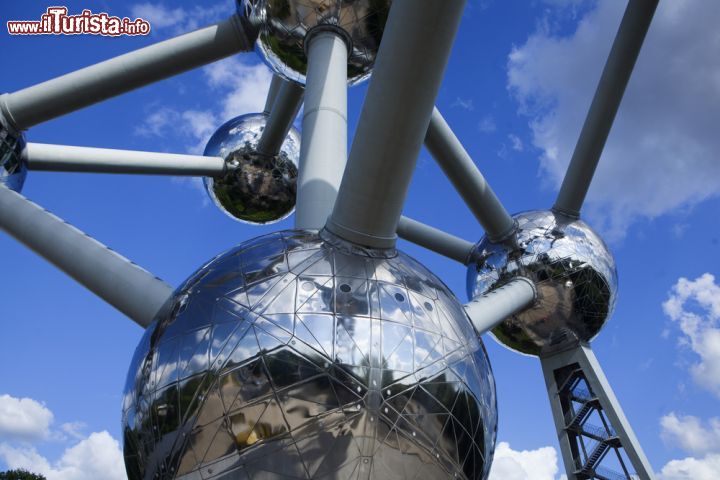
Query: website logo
(56, 21)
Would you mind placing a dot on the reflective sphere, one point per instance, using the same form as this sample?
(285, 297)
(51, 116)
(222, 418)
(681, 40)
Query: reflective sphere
(283, 26)
(296, 355)
(12, 168)
(257, 188)
(573, 271)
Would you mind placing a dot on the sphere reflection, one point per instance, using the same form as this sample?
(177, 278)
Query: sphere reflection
(574, 273)
(283, 26)
(257, 188)
(12, 168)
(296, 355)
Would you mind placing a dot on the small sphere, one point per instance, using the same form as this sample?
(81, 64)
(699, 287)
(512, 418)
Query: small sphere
(298, 355)
(574, 273)
(283, 26)
(257, 188)
(12, 167)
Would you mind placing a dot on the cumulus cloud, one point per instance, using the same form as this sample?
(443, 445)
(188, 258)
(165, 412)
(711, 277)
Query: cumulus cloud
(23, 419)
(25, 422)
(176, 20)
(662, 151)
(691, 468)
(241, 87)
(689, 433)
(97, 456)
(695, 306)
(509, 464)
(245, 86)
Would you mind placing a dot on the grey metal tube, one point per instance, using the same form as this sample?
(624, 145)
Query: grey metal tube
(115, 279)
(435, 240)
(488, 310)
(285, 109)
(64, 158)
(275, 85)
(605, 104)
(467, 179)
(400, 99)
(323, 151)
(107, 79)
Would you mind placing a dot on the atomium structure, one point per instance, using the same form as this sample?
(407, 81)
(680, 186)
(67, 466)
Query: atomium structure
(323, 351)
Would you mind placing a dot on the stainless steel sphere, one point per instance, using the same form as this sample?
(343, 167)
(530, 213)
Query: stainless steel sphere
(257, 188)
(283, 26)
(574, 273)
(296, 355)
(12, 168)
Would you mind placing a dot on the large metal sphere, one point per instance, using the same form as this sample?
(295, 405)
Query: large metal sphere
(296, 355)
(257, 188)
(12, 168)
(574, 273)
(283, 26)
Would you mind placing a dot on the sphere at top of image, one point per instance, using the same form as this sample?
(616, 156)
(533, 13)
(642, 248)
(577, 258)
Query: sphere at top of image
(573, 271)
(298, 355)
(256, 188)
(283, 26)
(13, 170)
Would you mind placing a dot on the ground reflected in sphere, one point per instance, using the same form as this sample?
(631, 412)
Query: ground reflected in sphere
(574, 273)
(297, 355)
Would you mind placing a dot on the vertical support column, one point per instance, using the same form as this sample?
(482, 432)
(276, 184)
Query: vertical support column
(323, 152)
(574, 377)
(407, 76)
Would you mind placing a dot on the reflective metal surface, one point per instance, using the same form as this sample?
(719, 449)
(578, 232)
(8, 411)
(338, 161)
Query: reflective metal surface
(574, 273)
(12, 168)
(283, 26)
(296, 355)
(257, 188)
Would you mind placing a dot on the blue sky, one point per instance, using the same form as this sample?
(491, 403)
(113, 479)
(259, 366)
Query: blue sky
(516, 91)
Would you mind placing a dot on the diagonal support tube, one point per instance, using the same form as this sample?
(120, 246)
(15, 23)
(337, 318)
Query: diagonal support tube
(115, 279)
(275, 85)
(65, 94)
(488, 310)
(64, 158)
(323, 151)
(284, 110)
(460, 169)
(435, 240)
(400, 100)
(605, 104)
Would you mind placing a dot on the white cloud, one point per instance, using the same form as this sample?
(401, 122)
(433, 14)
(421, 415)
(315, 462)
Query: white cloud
(97, 456)
(245, 85)
(695, 306)
(177, 20)
(23, 418)
(689, 433)
(515, 143)
(509, 464)
(690, 468)
(487, 124)
(662, 152)
(24, 422)
(464, 103)
(241, 87)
